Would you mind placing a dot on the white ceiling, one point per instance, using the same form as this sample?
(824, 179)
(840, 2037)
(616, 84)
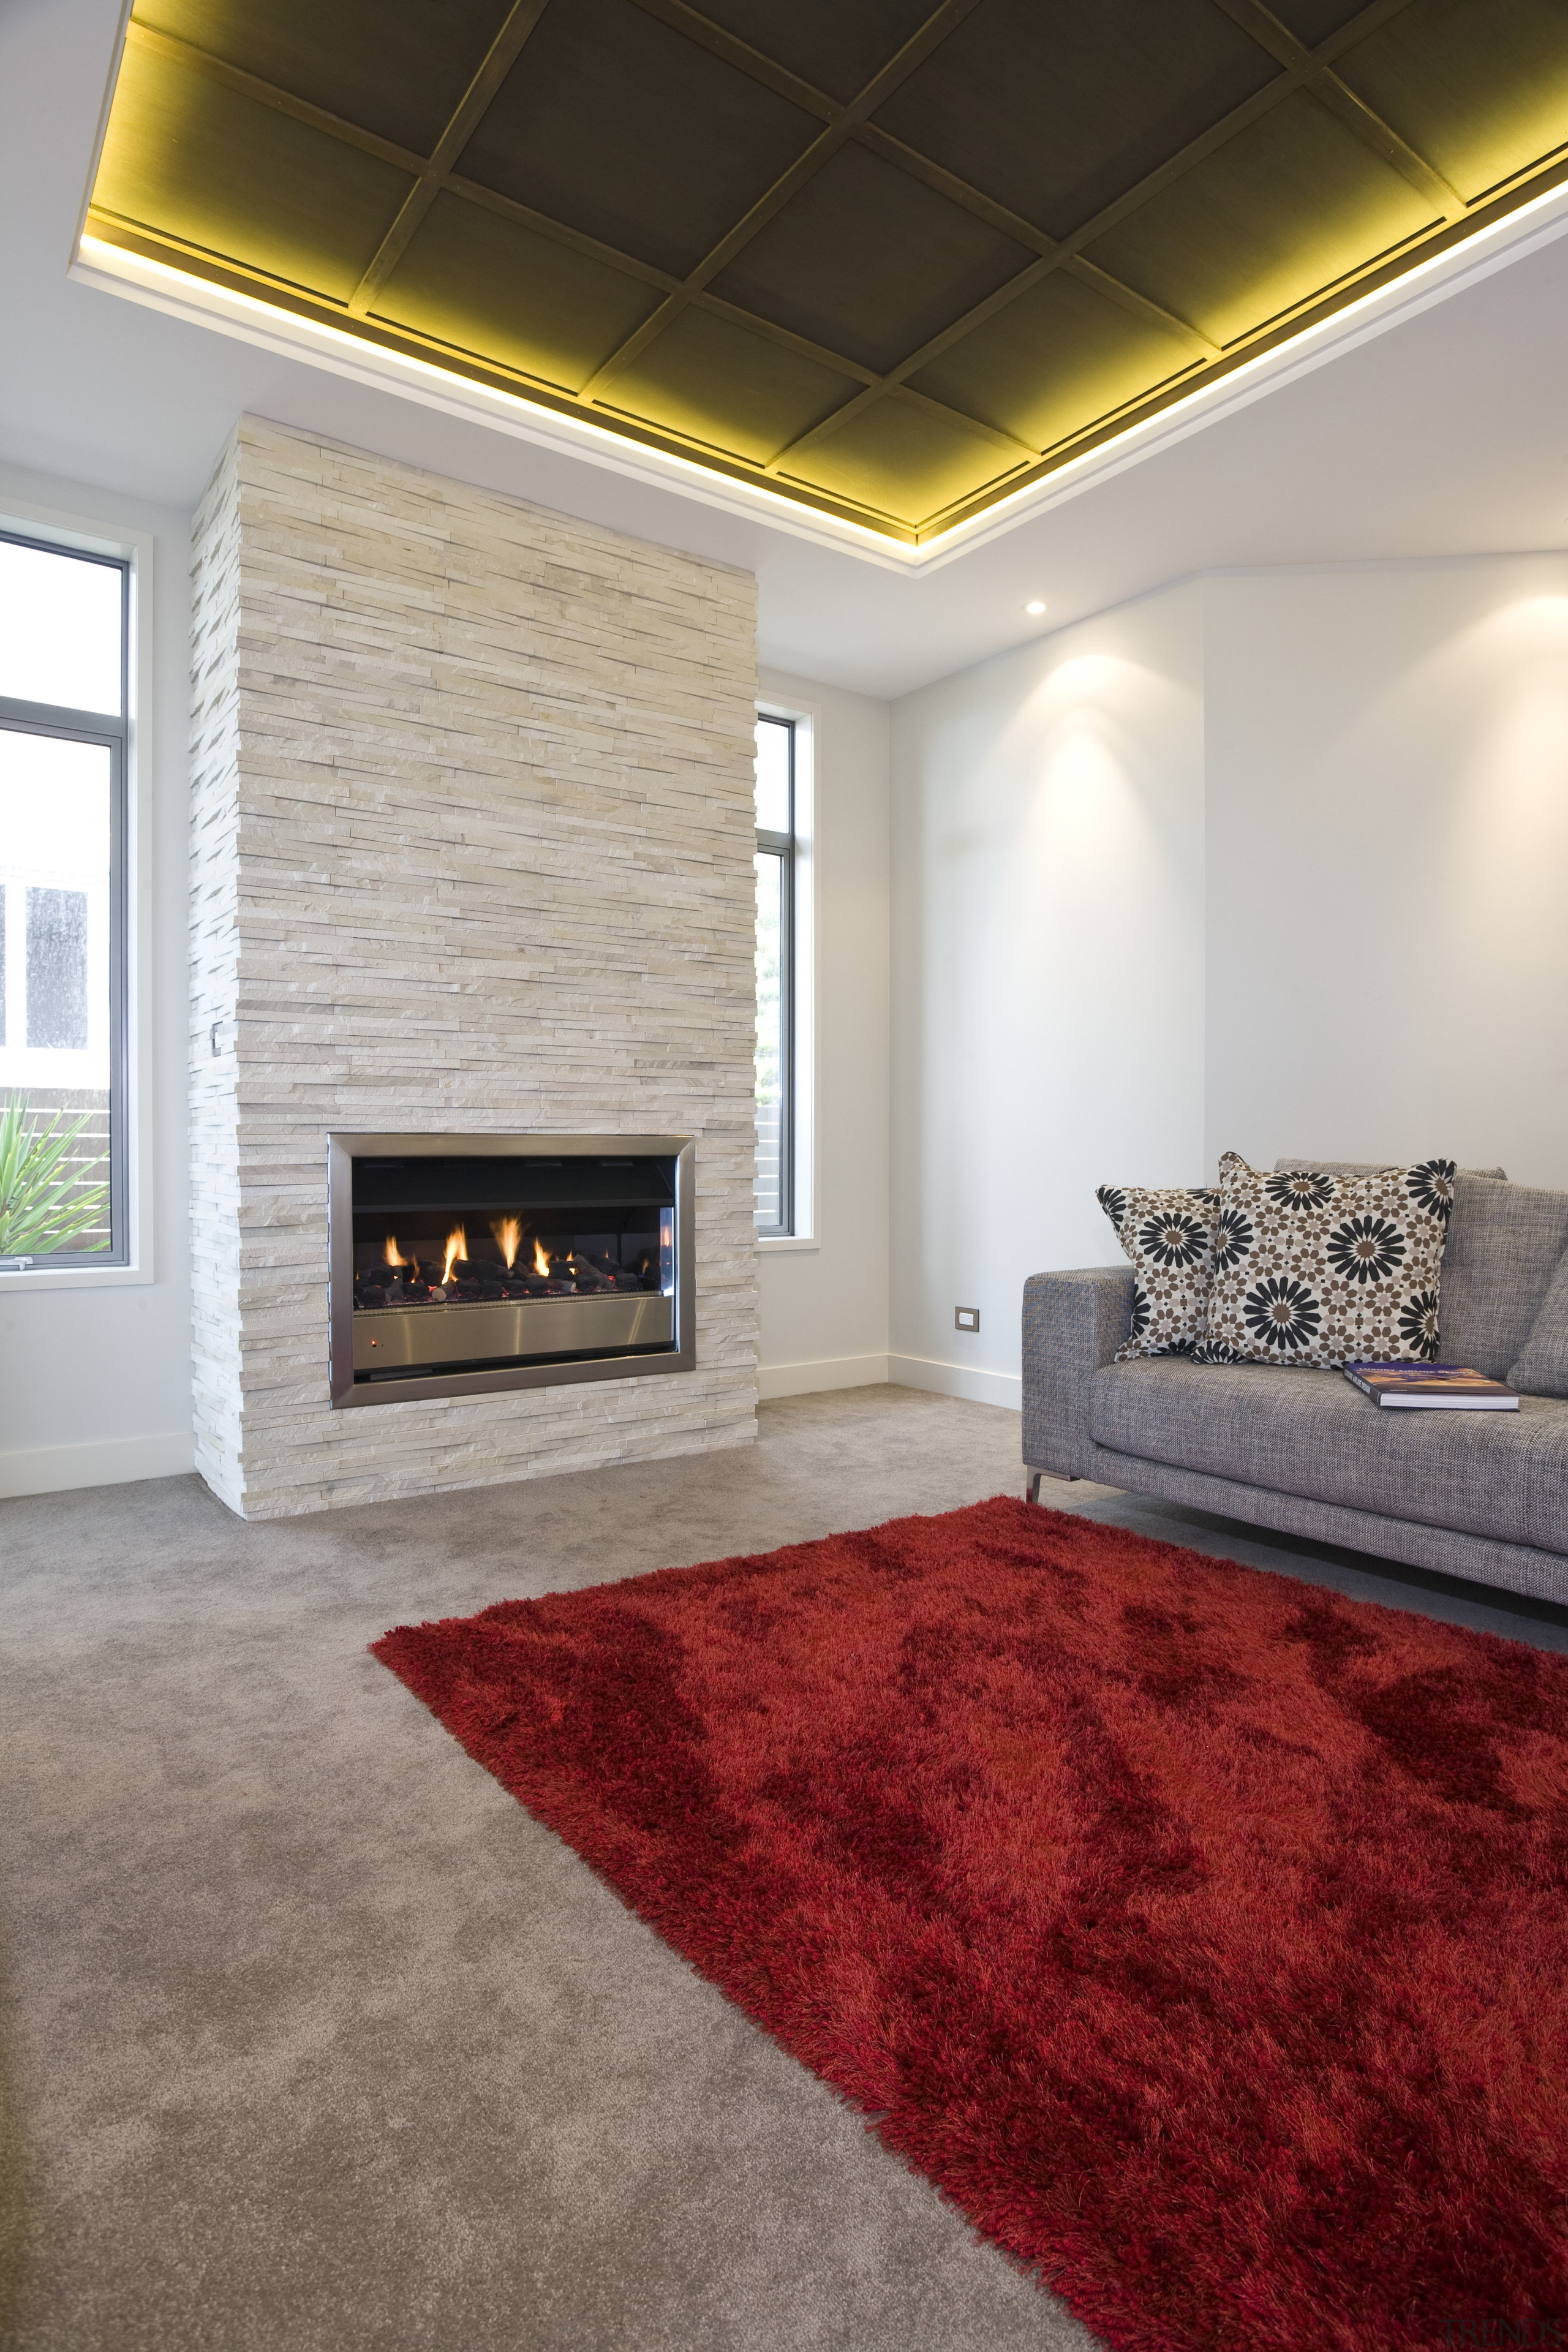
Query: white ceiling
(1445, 434)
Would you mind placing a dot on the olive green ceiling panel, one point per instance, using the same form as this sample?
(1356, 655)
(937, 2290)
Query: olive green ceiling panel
(222, 172)
(717, 381)
(1284, 211)
(869, 262)
(896, 457)
(1020, 98)
(402, 84)
(836, 45)
(1478, 91)
(1035, 367)
(892, 258)
(615, 125)
(499, 291)
(1313, 20)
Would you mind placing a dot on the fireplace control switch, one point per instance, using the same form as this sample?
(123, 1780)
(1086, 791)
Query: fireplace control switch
(967, 1318)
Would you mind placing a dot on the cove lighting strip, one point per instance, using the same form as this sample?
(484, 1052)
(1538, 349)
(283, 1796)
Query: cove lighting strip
(114, 269)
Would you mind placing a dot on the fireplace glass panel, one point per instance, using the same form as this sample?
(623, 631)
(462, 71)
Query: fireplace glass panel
(503, 1268)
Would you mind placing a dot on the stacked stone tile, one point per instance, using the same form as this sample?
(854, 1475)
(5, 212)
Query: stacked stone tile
(471, 849)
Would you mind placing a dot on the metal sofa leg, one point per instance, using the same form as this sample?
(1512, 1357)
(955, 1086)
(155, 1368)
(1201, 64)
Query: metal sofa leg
(1033, 1476)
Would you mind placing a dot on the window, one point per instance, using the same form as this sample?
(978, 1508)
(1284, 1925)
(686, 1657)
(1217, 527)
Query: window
(63, 743)
(775, 862)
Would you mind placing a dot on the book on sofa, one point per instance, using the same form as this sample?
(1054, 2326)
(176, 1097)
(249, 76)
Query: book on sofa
(1458, 1387)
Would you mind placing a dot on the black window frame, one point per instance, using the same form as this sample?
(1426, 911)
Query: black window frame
(23, 718)
(781, 845)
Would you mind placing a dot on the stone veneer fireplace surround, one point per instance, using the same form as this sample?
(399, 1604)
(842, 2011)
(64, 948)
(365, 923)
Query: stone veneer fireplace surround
(471, 853)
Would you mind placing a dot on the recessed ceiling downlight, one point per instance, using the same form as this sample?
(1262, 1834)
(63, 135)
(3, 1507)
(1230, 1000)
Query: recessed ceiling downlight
(1035, 605)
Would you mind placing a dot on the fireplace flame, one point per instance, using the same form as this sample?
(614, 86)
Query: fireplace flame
(508, 1232)
(541, 1263)
(457, 1247)
(390, 1252)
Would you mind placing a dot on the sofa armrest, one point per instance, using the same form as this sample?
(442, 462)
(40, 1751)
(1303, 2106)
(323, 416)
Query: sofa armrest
(1073, 1323)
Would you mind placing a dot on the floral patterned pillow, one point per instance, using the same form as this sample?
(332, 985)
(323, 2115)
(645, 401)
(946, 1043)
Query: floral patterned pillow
(1313, 1268)
(1168, 1236)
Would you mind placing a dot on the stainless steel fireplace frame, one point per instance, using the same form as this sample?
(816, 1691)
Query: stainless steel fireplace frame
(344, 1148)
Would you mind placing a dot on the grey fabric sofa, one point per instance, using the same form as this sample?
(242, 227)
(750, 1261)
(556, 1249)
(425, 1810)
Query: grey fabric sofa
(1478, 1495)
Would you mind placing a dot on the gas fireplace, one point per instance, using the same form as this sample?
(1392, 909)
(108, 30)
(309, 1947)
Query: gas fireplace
(460, 1263)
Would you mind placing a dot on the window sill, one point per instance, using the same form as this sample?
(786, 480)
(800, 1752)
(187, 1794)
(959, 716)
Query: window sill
(14, 1284)
(779, 1245)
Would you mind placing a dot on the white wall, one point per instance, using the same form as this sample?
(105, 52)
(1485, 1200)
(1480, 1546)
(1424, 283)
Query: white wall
(825, 1301)
(1274, 862)
(1388, 864)
(95, 1384)
(1047, 953)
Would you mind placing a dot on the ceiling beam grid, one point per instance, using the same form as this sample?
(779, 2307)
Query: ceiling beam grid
(1299, 69)
(1302, 70)
(805, 168)
(501, 55)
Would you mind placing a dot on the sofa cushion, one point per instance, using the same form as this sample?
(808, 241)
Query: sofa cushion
(1296, 1432)
(1542, 1369)
(1168, 1236)
(1368, 1168)
(1504, 1242)
(1311, 1268)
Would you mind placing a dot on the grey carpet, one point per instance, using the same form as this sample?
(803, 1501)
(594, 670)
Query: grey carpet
(313, 2039)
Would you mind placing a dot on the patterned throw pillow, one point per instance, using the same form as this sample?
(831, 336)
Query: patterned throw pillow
(1313, 1268)
(1168, 1236)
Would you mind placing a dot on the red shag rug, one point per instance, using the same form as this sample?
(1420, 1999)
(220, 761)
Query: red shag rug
(1202, 1934)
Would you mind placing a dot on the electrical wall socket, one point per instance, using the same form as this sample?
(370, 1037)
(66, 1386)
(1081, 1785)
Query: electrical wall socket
(967, 1318)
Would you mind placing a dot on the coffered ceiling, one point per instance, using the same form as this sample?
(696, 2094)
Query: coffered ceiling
(893, 261)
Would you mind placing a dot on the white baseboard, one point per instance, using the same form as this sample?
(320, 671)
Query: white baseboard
(102, 1461)
(831, 1372)
(1005, 1388)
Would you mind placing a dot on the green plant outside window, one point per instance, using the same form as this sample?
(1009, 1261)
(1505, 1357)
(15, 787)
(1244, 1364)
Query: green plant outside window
(44, 1205)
